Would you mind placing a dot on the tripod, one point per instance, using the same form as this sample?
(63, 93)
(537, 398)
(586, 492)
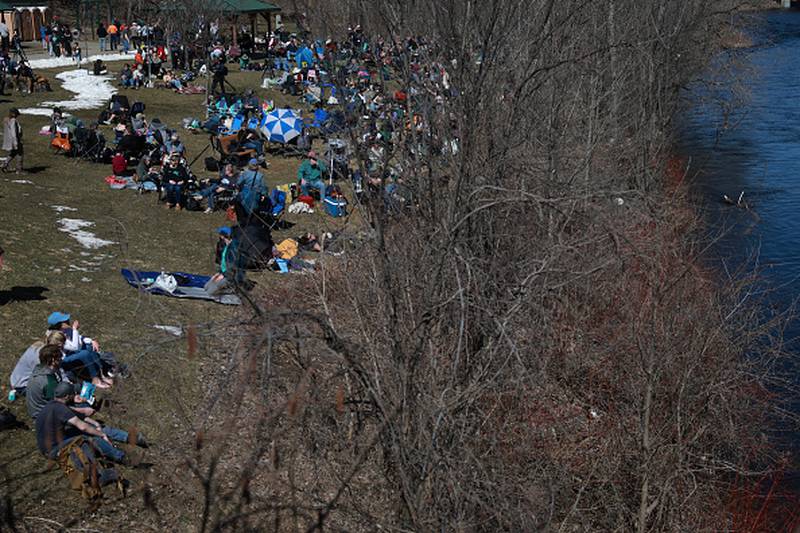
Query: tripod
(18, 54)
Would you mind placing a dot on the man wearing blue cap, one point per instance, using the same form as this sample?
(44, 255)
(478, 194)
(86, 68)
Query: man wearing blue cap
(252, 189)
(230, 271)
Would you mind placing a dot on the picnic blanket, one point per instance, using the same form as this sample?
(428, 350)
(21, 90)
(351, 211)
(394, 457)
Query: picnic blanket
(177, 285)
(192, 89)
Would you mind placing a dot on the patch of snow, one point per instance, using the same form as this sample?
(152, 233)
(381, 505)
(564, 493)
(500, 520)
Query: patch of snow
(62, 208)
(172, 330)
(24, 182)
(36, 111)
(85, 279)
(74, 228)
(76, 268)
(56, 62)
(91, 92)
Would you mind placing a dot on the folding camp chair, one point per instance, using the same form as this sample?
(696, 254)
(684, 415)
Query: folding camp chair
(277, 199)
(237, 123)
(226, 146)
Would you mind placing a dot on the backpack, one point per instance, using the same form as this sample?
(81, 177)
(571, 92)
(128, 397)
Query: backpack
(7, 418)
(79, 464)
(136, 108)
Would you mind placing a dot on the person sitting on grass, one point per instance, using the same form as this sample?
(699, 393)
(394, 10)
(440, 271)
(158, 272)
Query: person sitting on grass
(119, 165)
(175, 179)
(24, 367)
(99, 68)
(172, 81)
(228, 178)
(59, 423)
(311, 173)
(81, 364)
(74, 343)
(173, 145)
(44, 379)
(139, 124)
(231, 272)
(126, 76)
(138, 77)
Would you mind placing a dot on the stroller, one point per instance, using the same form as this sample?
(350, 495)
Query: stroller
(119, 109)
(89, 144)
(133, 146)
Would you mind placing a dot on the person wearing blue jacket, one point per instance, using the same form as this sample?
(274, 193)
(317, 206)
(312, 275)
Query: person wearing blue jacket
(252, 189)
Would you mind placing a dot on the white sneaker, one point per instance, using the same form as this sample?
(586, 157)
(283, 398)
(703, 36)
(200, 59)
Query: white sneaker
(208, 211)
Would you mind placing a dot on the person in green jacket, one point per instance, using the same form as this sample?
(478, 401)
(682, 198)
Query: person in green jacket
(311, 173)
(44, 379)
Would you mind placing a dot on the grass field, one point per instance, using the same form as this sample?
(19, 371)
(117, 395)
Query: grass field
(48, 270)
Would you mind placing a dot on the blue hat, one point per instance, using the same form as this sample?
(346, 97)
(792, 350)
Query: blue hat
(253, 161)
(224, 230)
(57, 317)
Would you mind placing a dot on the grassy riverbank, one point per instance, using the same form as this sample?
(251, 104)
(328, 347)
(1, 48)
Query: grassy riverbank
(49, 270)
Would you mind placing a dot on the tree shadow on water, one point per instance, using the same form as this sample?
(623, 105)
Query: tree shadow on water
(22, 294)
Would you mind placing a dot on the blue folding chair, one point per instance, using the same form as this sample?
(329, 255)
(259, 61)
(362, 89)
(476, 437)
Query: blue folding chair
(236, 125)
(278, 200)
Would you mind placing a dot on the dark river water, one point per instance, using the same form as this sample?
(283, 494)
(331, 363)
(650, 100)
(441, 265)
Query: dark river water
(741, 133)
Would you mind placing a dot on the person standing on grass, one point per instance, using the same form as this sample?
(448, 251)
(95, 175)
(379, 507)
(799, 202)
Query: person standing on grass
(102, 36)
(12, 141)
(252, 189)
(113, 35)
(4, 33)
(125, 39)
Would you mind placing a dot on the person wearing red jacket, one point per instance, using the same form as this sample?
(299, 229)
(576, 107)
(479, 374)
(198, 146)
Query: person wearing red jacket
(119, 164)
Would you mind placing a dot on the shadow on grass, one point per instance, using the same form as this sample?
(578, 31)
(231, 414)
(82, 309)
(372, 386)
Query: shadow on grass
(36, 169)
(283, 225)
(23, 294)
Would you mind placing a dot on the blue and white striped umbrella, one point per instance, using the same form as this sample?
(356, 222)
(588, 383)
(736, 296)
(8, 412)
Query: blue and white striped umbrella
(282, 125)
